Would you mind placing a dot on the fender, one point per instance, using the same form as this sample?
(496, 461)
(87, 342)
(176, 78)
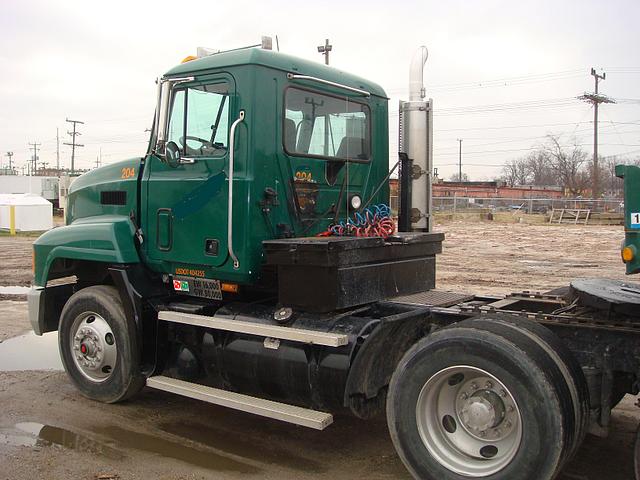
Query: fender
(108, 239)
(375, 362)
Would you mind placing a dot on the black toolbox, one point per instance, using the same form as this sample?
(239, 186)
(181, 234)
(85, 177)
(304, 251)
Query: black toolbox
(322, 274)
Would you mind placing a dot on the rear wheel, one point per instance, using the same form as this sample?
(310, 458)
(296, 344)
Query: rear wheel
(560, 363)
(470, 403)
(98, 345)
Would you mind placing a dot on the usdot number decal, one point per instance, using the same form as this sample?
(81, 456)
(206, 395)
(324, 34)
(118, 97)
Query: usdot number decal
(635, 220)
(128, 172)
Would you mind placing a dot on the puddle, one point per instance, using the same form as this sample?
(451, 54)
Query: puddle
(198, 457)
(32, 434)
(237, 444)
(30, 352)
(119, 440)
(13, 290)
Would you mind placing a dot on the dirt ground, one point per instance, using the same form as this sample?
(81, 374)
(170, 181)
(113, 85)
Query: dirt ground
(47, 430)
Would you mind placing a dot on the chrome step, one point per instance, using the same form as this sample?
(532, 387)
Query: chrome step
(258, 406)
(260, 329)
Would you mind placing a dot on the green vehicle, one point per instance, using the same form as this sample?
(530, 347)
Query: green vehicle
(249, 259)
(631, 246)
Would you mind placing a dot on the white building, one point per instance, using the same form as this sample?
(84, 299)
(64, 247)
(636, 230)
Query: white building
(31, 213)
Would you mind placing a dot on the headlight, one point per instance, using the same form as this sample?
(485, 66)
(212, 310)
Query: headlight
(355, 202)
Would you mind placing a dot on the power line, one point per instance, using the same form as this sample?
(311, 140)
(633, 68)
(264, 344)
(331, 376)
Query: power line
(460, 160)
(324, 50)
(57, 150)
(10, 155)
(451, 154)
(73, 143)
(34, 157)
(596, 99)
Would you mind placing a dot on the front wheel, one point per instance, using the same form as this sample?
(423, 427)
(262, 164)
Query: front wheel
(467, 403)
(98, 345)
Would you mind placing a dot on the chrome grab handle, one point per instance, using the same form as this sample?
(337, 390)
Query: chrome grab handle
(232, 134)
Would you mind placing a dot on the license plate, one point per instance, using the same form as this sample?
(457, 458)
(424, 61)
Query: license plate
(198, 287)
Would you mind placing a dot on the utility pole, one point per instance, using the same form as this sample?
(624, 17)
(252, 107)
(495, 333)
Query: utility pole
(460, 160)
(99, 158)
(34, 157)
(596, 99)
(10, 154)
(325, 49)
(73, 143)
(57, 150)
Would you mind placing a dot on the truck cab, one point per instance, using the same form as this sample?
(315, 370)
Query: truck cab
(248, 145)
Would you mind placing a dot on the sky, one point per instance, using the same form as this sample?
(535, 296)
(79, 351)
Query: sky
(502, 74)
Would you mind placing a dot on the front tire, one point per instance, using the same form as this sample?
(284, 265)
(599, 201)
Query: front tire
(99, 346)
(468, 403)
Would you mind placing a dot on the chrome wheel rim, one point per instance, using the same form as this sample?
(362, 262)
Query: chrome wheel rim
(93, 347)
(469, 421)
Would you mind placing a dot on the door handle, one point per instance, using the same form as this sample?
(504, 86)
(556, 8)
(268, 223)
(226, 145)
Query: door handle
(232, 134)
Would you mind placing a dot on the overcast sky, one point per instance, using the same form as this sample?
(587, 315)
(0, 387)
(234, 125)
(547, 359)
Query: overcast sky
(503, 74)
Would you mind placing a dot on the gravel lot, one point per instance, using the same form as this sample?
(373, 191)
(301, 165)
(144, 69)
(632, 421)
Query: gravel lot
(47, 430)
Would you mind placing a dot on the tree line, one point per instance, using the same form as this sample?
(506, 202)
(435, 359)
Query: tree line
(564, 165)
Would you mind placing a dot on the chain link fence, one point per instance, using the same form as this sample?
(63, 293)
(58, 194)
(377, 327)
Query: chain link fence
(525, 205)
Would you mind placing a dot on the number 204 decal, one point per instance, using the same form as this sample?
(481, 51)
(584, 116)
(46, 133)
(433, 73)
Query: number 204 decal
(635, 220)
(128, 172)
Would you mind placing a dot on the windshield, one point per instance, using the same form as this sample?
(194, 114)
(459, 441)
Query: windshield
(324, 126)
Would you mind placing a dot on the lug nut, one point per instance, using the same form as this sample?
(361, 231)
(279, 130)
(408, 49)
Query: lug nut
(483, 433)
(488, 385)
(474, 386)
(510, 408)
(508, 424)
(503, 393)
(464, 396)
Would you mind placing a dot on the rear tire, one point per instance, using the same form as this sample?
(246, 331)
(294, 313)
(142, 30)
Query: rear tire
(525, 439)
(569, 377)
(99, 346)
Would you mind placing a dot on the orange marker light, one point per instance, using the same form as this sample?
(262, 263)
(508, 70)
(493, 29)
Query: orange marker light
(230, 287)
(628, 254)
(188, 59)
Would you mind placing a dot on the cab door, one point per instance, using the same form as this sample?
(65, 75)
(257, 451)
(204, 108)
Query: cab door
(186, 212)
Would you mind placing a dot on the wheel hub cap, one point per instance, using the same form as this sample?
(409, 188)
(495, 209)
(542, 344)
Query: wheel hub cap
(482, 411)
(469, 421)
(93, 348)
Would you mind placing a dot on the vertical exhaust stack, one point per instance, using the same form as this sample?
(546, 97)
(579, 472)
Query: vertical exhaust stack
(416, 141)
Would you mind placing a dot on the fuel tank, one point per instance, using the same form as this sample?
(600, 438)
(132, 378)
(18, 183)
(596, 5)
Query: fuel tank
(309, 375)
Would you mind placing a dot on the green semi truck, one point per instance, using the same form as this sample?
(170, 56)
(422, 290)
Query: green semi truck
(248, 260)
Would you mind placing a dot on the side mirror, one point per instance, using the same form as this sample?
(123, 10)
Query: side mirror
(165, 90)
(172, 154)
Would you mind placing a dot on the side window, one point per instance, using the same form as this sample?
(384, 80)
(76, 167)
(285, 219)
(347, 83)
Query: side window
(199, 122)
(325, 126)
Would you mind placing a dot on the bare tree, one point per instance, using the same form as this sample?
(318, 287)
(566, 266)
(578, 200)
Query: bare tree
(456, 178)
(515, 172)
(567, 163)
(540, 169)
